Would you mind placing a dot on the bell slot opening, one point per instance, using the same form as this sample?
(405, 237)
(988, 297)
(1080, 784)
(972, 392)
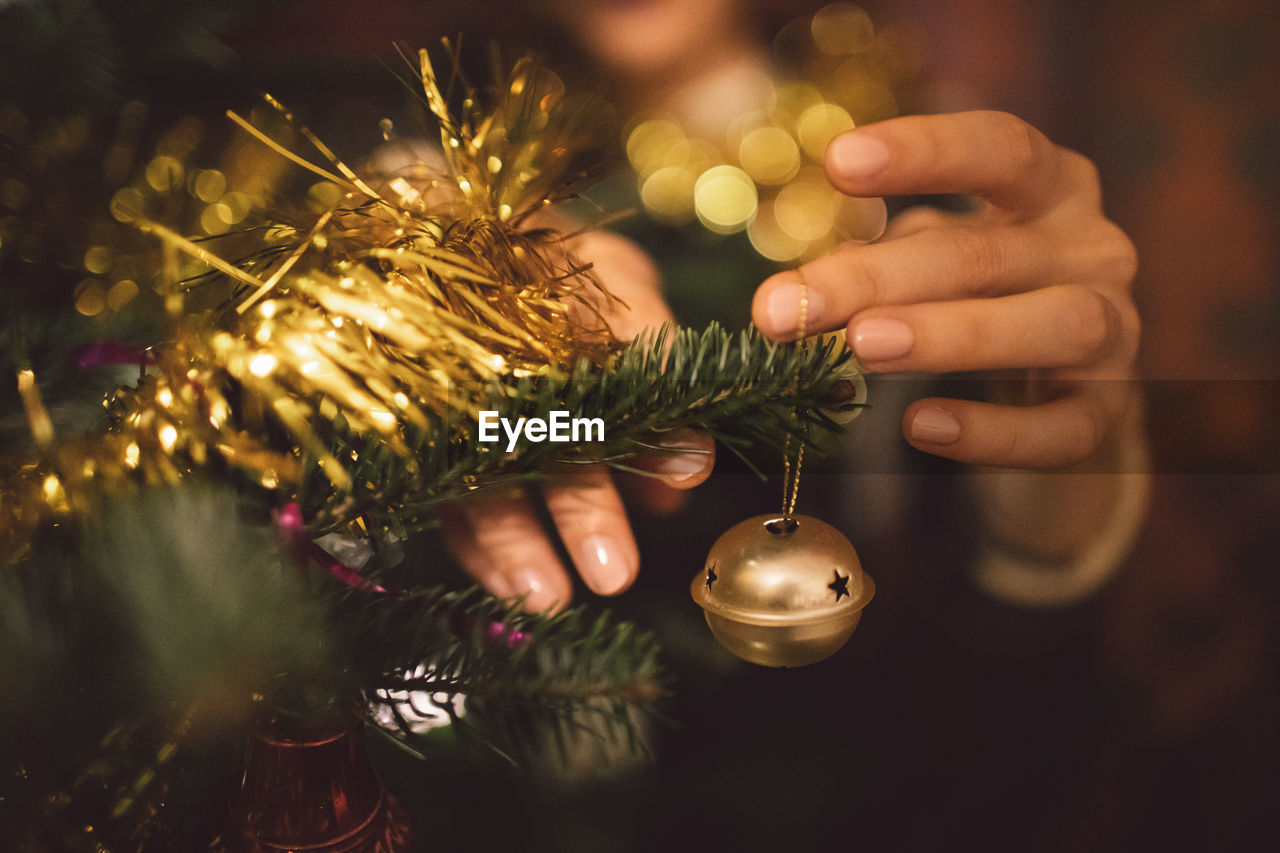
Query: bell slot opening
(782, 526)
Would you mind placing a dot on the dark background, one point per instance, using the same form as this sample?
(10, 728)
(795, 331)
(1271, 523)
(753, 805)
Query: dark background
(1142, 719)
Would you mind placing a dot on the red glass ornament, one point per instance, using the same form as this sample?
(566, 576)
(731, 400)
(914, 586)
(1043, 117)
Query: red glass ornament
(311, 786)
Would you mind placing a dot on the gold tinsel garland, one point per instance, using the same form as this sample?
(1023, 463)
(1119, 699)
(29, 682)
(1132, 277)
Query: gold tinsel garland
(409, 294)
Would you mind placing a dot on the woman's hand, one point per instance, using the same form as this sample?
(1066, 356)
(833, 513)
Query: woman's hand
(1035, 279)
(499, 539)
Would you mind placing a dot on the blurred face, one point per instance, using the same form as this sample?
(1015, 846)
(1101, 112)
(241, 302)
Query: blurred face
(638, 38)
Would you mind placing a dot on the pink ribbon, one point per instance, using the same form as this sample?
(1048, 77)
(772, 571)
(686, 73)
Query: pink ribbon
(293, 535)
(102, 353)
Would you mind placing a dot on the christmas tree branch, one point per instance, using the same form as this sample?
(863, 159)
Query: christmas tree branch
(525, 678)
(741, 388)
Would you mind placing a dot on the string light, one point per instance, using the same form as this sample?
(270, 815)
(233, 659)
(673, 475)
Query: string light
(758, 176)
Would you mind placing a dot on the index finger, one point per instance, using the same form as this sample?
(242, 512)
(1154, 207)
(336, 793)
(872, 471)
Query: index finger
(992, 155)
(498, 539)
(593, 526)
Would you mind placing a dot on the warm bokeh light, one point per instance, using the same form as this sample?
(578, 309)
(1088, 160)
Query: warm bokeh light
(770, 155)
(842, 28)
(208, 185)
(770, 240)
(818, 125)
(725, 199)
(806, 208)
(764, 173)
(90, 297)
(668, 193)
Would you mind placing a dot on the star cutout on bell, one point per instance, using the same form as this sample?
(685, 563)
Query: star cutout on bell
(711, 575)
(840, 586)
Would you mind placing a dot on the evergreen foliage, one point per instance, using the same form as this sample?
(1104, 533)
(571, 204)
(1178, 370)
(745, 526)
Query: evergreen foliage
(142, 622)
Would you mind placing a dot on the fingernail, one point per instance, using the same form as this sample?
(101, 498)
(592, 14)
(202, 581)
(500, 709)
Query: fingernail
(498, 584)
(782, 309)
(857, 155)
(935, 426)
(605, 566)
(882, 339)
(681, 466)
(537, 590)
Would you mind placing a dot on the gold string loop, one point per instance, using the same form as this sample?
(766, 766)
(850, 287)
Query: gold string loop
(791, 473)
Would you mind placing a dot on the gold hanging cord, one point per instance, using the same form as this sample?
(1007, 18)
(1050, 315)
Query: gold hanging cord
(790, 473)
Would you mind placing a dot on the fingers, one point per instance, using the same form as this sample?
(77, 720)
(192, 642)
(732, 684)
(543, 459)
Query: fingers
(682, 460)
(988, 154)
(591, 518)
(498, 538)
(922, 217)
(1060, 326)
(923, 266)
(661, 476)
(499, 541)
(654, 495)
(1049, 435)
(592, 522)
(1035, 279)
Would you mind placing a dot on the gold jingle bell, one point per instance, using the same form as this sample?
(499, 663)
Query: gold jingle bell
(781, 591)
